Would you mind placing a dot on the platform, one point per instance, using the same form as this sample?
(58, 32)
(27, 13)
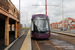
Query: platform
(22, 43)
(27, 42)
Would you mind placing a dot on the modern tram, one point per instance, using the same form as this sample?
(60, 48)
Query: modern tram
(40, 27)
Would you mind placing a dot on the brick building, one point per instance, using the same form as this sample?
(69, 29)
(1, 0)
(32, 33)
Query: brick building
(21, 26)
(69, 23)
(9, 15)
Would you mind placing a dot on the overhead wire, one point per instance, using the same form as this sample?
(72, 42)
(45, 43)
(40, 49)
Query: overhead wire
(37, 2)
(56, 6)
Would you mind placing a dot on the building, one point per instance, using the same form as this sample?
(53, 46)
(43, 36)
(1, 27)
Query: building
(9, 16)
(21, 26)
(69, 23)
(60, 24)
(54, 25)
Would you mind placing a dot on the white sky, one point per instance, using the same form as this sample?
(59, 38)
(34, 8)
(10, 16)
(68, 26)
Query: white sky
(54, 13)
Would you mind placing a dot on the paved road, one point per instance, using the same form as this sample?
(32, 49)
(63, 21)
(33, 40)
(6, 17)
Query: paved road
(19, 43)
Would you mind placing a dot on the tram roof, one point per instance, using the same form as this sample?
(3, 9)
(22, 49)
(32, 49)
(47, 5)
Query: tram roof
(38, 15)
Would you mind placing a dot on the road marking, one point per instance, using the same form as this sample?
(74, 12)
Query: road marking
(27, 42)
(55, 46)
(37, 45)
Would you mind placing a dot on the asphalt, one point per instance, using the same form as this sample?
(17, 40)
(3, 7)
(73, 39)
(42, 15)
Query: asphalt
(62, 43)
(19, 43)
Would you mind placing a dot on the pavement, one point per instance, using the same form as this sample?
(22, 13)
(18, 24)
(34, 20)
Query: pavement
(19, 42)
(72, 31)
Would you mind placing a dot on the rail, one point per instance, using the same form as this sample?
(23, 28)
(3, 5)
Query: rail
(52, 45)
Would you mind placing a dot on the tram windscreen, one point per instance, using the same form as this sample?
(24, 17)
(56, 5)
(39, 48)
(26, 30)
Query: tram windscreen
(41, 24)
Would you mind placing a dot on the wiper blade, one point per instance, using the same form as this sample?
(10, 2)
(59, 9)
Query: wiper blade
(37, 27)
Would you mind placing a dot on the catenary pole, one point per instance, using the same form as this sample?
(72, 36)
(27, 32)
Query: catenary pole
(46, 7)
(62, 15)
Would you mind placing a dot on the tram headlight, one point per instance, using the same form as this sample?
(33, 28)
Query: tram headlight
(47, 32)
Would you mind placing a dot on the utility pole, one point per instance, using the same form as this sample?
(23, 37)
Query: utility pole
(27, 19)
(46, 7)
(25, 26)
(49, 14)
(62, 15)
(19, 18)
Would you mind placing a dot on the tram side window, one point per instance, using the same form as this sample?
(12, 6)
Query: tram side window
(32, 27)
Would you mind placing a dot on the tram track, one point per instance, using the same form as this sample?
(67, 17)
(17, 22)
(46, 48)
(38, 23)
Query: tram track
(52, 44)
(39, 45)
(55, 46)
(55, 42)
(34, 43)
(67, 38)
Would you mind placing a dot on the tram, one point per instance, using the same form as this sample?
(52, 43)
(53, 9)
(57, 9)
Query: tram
(40, 27)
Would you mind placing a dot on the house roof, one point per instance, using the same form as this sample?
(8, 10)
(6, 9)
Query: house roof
(51, 23)
(60, 22)
(70, 18)
(56, 23)
(73, 20)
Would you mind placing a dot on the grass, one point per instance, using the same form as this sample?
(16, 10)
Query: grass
(26, 28)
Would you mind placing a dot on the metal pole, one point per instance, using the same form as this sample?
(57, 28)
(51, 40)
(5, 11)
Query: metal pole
(46, 7)
(71, 25)
(49, 14)
(25, 26)
(27, 19)
(19, 19)
(62, 15)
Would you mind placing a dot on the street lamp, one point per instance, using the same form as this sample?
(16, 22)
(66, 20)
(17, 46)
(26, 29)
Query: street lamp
(27, 18)
(25, 26)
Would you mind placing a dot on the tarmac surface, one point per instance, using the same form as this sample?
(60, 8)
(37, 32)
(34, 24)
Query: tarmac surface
(19, 43)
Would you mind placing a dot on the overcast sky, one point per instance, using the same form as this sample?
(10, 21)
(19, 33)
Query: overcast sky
(54, 13)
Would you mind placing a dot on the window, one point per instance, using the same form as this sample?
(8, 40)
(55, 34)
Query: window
(74, 26)
(14, 10)
(32, 27)
(70, 21)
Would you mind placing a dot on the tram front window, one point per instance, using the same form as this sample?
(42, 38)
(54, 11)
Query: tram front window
(42, 25)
